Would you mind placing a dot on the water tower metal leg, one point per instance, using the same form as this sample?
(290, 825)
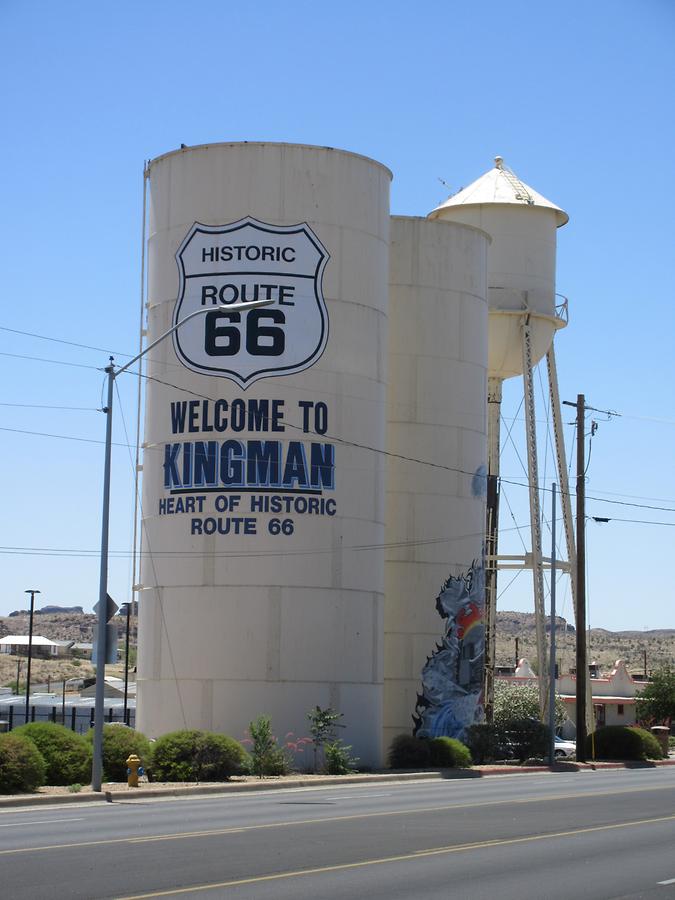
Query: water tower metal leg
(492, 525)
(563, 479)
(535, 514)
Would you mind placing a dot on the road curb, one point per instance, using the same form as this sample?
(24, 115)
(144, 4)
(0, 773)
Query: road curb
(239, 787)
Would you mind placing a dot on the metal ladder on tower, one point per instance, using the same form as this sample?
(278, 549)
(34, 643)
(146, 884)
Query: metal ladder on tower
(521, 191)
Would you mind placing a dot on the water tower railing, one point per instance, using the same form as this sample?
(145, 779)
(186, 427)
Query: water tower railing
(562, 309)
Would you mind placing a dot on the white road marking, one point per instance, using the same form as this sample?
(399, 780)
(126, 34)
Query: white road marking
(670, 881)
(359, 796)
(40, 822)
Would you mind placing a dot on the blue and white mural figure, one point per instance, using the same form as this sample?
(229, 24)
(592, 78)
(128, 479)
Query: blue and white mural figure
(452, 680)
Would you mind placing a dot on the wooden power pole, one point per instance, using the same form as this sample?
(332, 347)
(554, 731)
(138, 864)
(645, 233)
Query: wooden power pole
(582, 663)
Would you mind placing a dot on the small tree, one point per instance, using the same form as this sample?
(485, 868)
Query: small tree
(515, 702)
(322, 726)
(656, 704)
(262, 745)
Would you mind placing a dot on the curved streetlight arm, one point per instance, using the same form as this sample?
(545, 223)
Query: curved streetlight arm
(204, 309)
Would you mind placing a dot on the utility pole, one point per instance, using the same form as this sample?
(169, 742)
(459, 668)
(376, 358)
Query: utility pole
(517, 659)
(30, 647)
(551, 665)
(582, 663)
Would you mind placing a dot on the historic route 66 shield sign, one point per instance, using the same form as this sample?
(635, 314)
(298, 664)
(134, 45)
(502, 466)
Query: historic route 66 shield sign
(250, 260)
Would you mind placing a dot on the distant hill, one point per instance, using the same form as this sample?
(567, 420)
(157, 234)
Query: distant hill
(605, 646)
(63, 626)
(47, 610)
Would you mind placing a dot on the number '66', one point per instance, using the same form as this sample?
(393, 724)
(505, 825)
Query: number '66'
(260, 339)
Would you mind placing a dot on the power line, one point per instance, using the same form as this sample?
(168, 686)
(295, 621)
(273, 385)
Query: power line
(49, 406)
(62, 437)
(56, 362)
(44, 337)
(335, 438)
(401, 456)
(252, 554)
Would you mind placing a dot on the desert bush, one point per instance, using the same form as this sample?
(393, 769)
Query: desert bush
(449, 753)
(193, 755)
(621, 742)
(119, 742)
(650, 745)
(22, 766)
(525, 737)
(408, 752)
(266, 755)
(339, 759)
(67, 755)
(322, 726)
(482, 741)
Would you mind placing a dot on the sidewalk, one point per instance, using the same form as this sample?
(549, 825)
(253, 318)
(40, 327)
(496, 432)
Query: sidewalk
(48, 796)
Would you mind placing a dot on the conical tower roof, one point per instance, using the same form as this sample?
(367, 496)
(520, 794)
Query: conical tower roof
(499, 186)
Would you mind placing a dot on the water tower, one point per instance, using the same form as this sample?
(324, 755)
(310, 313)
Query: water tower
(524, 317)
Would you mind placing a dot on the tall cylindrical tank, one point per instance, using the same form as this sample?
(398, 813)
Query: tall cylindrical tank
(263, 480)
(521, 261)
(436, 437)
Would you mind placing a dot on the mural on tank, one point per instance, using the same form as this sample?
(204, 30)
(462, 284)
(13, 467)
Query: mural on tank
(452, 678)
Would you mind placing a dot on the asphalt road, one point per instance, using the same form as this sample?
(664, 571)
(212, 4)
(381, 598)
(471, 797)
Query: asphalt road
(575, 835)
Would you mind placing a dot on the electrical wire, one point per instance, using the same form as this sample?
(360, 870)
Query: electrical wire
(391, 454)
(49, 406)
(335, 438)
(62, 437)
(56, 362)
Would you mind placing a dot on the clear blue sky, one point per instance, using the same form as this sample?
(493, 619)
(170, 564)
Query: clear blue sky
(578, 99)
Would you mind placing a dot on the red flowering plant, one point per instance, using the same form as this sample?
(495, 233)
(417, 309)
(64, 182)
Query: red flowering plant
(268, 757)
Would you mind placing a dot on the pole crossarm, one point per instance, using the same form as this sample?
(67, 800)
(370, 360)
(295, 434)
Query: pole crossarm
(526, 561)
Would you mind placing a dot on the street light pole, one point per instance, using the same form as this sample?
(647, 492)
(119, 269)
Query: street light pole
(97, 761)
(30, 648)
(126, 665)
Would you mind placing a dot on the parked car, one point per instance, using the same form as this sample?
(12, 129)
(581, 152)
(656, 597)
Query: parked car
(564, 748)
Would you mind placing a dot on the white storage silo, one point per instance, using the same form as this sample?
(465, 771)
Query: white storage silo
(436, 412)
(263, 484)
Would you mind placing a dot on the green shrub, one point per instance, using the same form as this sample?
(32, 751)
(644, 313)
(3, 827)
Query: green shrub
(525, 737)
(449, 753)
(67, 755)
(263, 748)
(22, 766)
(266, 755)
(408, 752)
(615, 742)
(339, 760)
(193, 755)
(119, 742)
(650, 745)
(482, 742)
(277, 762)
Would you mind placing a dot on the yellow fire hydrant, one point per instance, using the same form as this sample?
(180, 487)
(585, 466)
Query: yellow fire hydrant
(133, 767)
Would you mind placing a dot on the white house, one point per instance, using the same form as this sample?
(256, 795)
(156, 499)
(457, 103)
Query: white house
(41, 646)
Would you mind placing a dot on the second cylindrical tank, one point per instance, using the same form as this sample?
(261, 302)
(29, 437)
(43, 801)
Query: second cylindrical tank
(436, 439)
